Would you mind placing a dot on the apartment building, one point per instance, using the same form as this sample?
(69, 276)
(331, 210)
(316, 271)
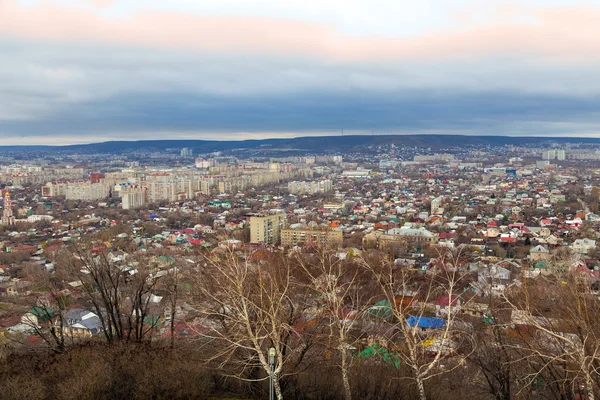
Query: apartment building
(133, 197)
(306, 187)
(20, 175)
(298, 237)
(54, 189)
(266, 229)
(76, 190)
(86, 191)
(414, 236)
(170, 187)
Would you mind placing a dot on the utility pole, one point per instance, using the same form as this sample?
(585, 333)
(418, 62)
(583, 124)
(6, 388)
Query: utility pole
(272, 369)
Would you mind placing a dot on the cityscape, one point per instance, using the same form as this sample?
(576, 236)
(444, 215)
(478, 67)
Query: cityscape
(300, 200)
(377, 251)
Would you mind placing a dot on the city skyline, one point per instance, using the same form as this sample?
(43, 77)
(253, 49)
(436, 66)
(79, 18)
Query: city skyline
(80, 72)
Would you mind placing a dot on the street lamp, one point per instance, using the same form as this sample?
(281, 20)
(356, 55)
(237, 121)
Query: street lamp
(272, 353)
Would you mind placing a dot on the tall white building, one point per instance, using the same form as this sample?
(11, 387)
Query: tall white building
(86, 191)
(133, 197)
(164, 186)
(306, 187)
(186, 152)
(549, 155)
(205, 164)
(76, 190)
(55, 189)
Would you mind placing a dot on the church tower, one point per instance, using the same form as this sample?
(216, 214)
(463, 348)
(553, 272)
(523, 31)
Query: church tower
(8, 217)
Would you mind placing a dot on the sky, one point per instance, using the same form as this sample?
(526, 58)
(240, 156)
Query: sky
(78, 71)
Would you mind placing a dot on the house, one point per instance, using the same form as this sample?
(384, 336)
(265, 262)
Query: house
(538, 253)
(495, 279)
(492, 231)
(82, 323)
(15, 288)
(443, 346)
(443, 304)
(583, 246)
(540, 267)
(425, 323)
(545, 222)
(544, 232)
(591, 217)
(475, 309)
(551, 240)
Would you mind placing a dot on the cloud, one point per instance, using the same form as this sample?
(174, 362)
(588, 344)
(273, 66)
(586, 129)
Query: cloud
(102, 3)
(80, 91)
(559, 33)
(75, 72)
(158, 115)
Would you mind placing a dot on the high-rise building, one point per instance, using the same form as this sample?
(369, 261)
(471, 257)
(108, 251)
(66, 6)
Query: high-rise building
(7, 215)
(561, 155)
(133, 197)
(307, 187)
(85, 190)
(266, 229)
(205, 164)
(76, 190)
(286, 168)
(549, 155)
(274, 166)
(186, 152)
(55, 189)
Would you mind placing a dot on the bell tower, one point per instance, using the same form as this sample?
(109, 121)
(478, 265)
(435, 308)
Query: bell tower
(7, 216)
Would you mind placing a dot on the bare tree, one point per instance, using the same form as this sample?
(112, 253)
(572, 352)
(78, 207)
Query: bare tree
(171, 286)
(119, 288)
(425, 306)
(250, 305)
(49, 310)
(342, 302)
(494, 358)
(565, 331)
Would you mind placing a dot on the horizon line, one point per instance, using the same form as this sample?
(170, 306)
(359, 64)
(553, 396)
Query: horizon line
(550, 137)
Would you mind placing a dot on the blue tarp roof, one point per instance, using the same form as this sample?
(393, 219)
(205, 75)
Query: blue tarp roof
(425, 322)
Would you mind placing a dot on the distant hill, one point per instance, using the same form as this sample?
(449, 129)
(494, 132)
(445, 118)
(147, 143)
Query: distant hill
(315, 144)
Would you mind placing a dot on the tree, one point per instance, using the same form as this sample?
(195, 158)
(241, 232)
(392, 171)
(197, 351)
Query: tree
(171, 285)
(341, 302)
(119, 288)
(250, 304)
(423, 342)
(493, 355)
(564, 342)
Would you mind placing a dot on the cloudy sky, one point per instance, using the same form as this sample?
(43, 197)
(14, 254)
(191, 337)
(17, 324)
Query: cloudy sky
(74, 71)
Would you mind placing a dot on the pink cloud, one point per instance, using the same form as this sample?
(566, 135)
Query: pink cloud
(566, 34)
(102, 3)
